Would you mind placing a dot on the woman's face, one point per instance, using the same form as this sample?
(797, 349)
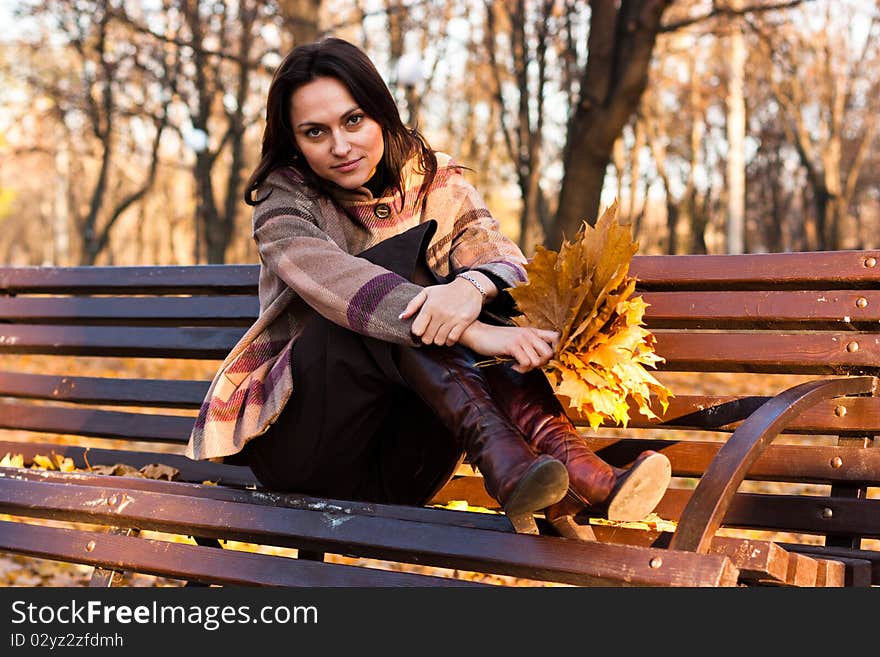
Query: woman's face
(338, 140)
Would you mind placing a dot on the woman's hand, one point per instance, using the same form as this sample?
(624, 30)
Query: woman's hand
(444, 311)
(530, 347)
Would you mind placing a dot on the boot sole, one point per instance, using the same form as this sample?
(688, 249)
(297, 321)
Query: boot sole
(642, 490)
(543, 484)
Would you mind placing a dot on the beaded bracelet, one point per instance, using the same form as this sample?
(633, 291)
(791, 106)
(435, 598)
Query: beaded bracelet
(473, 281)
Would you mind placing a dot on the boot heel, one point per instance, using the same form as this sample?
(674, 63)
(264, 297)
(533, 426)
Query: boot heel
(567, 527)
(543, 484)
(523, 523)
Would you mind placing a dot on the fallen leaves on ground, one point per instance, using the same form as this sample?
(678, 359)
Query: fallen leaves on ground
(66, 464)
(462, 505)
(651, 522)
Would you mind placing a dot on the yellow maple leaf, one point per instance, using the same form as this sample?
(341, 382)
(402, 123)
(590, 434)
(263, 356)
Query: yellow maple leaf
(64, 463)
(583, 292)
(43, 462)
(12, 461)
(650, 522)
(463, 505)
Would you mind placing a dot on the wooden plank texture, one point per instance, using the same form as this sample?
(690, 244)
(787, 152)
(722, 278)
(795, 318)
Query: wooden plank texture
(152, 427)
(165, 393)
(190, 279)
(784, 353)
(132, 311)
(518, 555)
(153, 342)
(767, 271)
(764, 309)
(191, 562)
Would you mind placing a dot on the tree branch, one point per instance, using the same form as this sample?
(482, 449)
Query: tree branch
(728, 12)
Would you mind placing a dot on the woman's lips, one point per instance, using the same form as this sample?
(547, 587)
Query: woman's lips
(347, 166)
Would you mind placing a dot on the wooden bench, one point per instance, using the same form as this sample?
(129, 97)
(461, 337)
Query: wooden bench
(772, 360)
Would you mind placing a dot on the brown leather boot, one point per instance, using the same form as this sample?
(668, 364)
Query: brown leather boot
(622, 494)
(449, 382)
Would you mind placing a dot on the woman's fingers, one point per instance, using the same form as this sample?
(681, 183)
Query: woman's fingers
(532, 350)
(454, 334)
(433, 332)
(438, 309)
(549, 337)
(413, 306)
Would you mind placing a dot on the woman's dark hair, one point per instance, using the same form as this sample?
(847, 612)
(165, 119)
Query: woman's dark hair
(339, 59)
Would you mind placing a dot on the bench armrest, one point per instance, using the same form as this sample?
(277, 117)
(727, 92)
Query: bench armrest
(705, 511)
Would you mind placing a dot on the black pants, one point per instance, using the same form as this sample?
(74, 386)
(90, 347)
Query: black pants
(352, 429)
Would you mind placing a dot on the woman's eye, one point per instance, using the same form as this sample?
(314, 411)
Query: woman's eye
(355, 119)
(313, 132)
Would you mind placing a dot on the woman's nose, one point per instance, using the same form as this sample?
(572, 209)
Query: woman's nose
(341, 147)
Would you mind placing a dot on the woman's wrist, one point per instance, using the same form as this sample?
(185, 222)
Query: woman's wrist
(482, 283)
(470, 337)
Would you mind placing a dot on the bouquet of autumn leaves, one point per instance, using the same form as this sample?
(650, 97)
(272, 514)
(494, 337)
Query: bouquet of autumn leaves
(583, 292)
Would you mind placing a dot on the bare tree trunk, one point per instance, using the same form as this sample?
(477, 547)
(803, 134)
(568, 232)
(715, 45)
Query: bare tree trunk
(621, 45)
(61, 208)
(633, 209)
(235, 137)
(736, 141)
(525, 137)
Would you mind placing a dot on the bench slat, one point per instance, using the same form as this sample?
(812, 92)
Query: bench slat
(861, 414)
(194, 342)
(725, 412)
(195, 563)
(767, 271)
(861, 560)
(819, 310)
(743, 271)
(190, 279)
(487, 521)
(788, 513)
(165, 393)
(786, 353)
(817, 464)
(517, 555)
(140, 311)
(729, 352)
(843, 571)
(97, 424)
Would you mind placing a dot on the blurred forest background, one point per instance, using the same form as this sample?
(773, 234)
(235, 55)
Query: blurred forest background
(127, 127)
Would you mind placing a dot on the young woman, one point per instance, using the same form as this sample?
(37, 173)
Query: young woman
(382, 282)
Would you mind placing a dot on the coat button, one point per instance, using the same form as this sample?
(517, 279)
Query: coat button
(382, 210)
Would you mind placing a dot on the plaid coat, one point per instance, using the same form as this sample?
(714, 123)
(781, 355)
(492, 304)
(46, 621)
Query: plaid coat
(307, 244)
